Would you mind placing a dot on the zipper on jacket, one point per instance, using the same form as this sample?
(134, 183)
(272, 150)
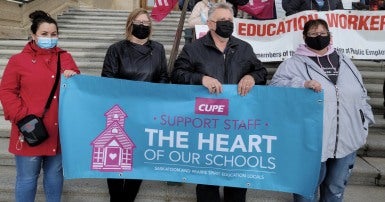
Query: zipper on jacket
(338, 121)
(226, 76)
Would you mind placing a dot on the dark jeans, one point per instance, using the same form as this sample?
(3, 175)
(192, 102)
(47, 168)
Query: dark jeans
(333, 178)
(123, 190)
(210, 193)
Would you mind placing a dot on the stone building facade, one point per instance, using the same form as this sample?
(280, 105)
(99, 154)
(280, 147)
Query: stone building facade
(15, 23)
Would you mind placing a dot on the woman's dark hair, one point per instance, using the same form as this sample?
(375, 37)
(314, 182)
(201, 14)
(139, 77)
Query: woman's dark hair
(38, 17)
(314, 23)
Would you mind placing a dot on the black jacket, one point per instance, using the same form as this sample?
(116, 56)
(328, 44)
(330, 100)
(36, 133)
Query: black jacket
(295, 6)
(126, 60)
(202, 58)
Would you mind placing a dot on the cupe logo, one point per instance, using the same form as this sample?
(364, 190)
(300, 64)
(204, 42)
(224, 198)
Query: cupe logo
(211, 106)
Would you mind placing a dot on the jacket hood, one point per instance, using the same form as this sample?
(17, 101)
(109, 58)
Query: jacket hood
(305, 51)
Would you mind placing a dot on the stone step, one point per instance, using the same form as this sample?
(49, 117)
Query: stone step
(113, 17)
(106, 12)
(377, 105)
(374, 90)
(8, 47)
(109, 26)
(120, 22)
(371, 65)
(379, 127)
(161, 38)
(374, 147)
(64, 33)
(156, 191)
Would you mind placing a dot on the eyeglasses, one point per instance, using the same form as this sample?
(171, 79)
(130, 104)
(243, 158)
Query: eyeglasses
(138, 22)
(315, 34)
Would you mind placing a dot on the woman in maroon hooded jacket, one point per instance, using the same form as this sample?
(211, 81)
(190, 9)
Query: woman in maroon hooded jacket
(25, 87)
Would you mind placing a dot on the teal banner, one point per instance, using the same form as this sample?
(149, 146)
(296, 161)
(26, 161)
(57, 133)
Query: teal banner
(269, 139)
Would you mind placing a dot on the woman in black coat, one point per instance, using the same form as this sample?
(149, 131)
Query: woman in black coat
(135, 58)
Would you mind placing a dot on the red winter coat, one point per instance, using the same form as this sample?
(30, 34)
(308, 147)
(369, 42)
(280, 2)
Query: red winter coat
(25, 86)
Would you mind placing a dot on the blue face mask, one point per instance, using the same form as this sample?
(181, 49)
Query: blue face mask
(46, 42)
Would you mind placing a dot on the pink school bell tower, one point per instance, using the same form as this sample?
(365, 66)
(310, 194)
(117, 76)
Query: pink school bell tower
(112, 150)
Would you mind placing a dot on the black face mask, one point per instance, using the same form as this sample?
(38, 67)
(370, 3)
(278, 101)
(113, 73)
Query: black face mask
(317, 43)
(141, 31)
(224, 28)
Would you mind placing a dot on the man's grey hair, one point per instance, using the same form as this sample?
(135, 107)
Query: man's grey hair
(221, 5)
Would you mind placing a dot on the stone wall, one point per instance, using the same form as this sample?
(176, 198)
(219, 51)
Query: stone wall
(15, 23)
(113, 4)
(14, 20)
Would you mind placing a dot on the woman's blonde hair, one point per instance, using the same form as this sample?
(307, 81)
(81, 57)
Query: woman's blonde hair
(130, 19)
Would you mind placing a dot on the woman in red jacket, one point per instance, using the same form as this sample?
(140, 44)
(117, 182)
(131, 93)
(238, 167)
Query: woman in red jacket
(25, 87)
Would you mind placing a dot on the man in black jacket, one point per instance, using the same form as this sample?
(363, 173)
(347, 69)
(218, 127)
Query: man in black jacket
(215, 59)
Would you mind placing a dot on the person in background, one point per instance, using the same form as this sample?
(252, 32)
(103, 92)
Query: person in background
(236, 3)
(347, 114)
(372, 5)
(360, 5)
(295, 6)
(190, 4)
(134, 58)
(200, 11)
(215, 59)
(261, 10)
(25, 86)
(198, 16)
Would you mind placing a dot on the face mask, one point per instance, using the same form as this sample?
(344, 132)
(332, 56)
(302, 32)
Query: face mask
(317, 43)
(46, 42)
(140, 31)
(224, 28)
